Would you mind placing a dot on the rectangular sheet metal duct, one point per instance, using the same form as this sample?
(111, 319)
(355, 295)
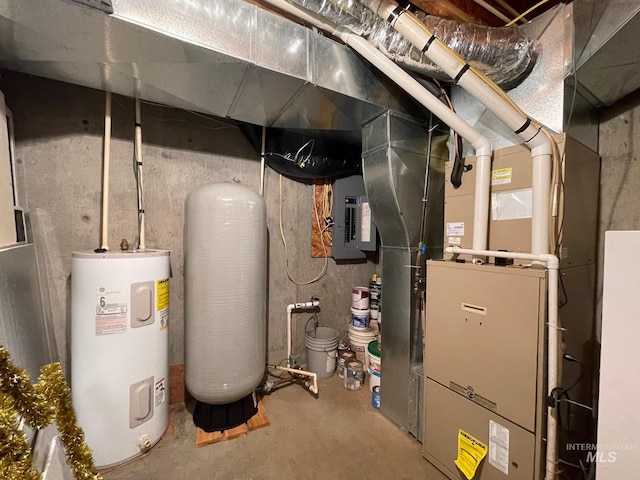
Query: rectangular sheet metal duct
(394, 161)
(226, 58)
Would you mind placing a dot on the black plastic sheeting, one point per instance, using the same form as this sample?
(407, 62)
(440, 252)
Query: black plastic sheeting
(308, 154)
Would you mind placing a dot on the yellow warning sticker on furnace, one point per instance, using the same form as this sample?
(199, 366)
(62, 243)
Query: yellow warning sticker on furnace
(501, 176)
(471, 451)
(162, 293)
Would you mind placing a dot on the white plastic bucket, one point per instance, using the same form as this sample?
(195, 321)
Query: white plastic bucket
(322, 351)
(360, 298)
(359, 340)
(359, 318)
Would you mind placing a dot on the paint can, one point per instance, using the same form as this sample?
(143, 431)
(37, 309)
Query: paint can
(360, 298)
(359, 318)
(343, 357)
(375, 397)
(374, 378)
(353, 375)
(375, 288)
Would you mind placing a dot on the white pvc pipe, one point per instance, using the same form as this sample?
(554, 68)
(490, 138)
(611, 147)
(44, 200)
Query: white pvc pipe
(262, 152)
(138, 147)
(454, 66)
(493, 10)
(479, 142)
(511, 10)
(291, 307)
(553, 342)
(106, 154)
(313, 387)
(305, 15)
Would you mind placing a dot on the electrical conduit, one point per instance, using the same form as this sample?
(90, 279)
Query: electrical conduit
(480, 143)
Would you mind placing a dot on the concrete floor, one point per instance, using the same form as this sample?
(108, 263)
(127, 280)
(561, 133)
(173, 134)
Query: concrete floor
(337, 435)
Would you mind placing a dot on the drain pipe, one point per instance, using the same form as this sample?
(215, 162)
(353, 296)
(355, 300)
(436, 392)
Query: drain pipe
(312, 385)
(479, 142)
(553, 342)
(290, 308)
(494, 99)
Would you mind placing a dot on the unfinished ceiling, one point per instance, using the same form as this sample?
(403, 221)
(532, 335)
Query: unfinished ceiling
(494, 13)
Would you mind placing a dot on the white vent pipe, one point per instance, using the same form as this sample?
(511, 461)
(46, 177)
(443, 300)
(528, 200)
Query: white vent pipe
(479, 142)
(494, 99)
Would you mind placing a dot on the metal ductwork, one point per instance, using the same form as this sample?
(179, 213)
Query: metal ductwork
(586, 63)
(606, 63)
(404, 178)
(225, 58)
(506, 55)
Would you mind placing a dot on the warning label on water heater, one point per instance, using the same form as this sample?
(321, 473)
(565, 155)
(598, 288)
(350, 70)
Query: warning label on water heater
(162, 302)
(111, 311)
(160, 391)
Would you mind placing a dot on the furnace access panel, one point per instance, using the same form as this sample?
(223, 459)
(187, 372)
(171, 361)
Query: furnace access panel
(484, 351)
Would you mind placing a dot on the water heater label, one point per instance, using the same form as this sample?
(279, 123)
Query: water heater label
(160, 391)
(499, 447)
(162, 292)
(111, 311)
(162, 302)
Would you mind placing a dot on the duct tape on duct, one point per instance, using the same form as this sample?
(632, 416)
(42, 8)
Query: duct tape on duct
(505, 54)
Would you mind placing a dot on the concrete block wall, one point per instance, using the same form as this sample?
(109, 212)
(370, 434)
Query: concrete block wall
(58, 133)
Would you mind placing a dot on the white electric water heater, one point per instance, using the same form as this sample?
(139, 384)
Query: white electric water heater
(119, 351)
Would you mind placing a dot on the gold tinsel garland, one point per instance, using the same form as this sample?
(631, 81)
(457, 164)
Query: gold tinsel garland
(39, 404)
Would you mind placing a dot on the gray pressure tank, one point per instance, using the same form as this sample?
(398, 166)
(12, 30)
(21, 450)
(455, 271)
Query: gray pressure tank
(225, 260)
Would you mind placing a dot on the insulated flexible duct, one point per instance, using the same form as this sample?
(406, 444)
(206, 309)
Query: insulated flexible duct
(504, 54)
